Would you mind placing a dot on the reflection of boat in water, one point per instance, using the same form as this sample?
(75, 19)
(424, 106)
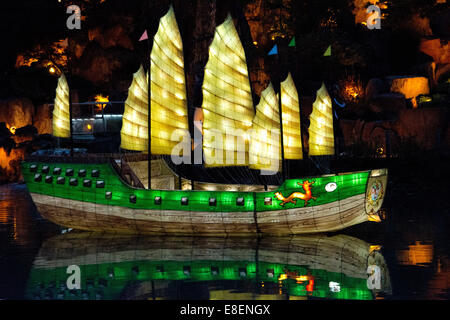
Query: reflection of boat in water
(123, 267)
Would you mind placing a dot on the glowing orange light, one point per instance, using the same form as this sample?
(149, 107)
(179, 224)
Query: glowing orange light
(293, 275)
(282, 277)
(52, 70)
(374, 218)
(89, 127)
(352, 89)
(374, 248)
(310, 286)
(301, 278)
(100, 98)
(12, 129)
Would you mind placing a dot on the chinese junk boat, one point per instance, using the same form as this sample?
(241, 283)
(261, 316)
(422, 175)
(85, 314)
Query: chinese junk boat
(120, 266)
(92, 193)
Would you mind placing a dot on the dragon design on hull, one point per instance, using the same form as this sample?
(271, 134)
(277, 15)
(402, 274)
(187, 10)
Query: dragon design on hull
(292, 198)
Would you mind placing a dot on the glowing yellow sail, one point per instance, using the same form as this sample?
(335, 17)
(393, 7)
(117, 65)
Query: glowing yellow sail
(61, 115)
(227, 100)
(321, 135)
(168, 87)
(134, 132)
(265, 150)
(168, 95)
(292, 138)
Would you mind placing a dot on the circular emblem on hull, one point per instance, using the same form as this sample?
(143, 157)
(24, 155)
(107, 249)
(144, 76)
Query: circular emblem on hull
(330, 187)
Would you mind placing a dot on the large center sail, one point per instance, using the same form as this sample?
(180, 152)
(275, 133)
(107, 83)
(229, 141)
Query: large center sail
(61, 112)
(227, 100)
(169, 120)
(265, 140)
(292, 137)
(321, 135)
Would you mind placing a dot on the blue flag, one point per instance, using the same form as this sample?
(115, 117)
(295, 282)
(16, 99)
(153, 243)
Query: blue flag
(273, 51)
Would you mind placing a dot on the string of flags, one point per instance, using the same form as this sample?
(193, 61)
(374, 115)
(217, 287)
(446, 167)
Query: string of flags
(292, 43)
(274, 49)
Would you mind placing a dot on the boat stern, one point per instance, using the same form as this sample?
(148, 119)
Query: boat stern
(375, 193)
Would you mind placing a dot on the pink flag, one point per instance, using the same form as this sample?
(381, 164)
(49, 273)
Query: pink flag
(144, 36)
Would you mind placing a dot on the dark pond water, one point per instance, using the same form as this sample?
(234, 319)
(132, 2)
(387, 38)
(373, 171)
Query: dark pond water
(39, 260)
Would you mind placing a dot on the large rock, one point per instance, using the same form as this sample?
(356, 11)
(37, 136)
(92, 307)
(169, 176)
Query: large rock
(264, 19)
(20, 112)
(438, 49)
(387, 104)
(43, 119)
(258, 77)
(16, 112)
(10, 164)
(204, 24)
(420, 24)
(254, 14)
(115, 36)
(98, 64)
(410, 87)
(439, 21)
(374, 86)
(422, 129)
(425, 126)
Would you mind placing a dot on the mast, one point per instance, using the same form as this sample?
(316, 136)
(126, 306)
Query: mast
(70, 122)
(149, 98)
(280, 112)
(69, 72)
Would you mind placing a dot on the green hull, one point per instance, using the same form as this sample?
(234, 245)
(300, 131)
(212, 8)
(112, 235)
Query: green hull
(278, 268)
(100, 194)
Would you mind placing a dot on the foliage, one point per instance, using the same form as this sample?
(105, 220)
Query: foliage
(351, 89)
(48, 56)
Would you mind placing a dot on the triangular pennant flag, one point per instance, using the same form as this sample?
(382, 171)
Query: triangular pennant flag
(292, 43)
(273, 51)
(328, 52)
(144, 36)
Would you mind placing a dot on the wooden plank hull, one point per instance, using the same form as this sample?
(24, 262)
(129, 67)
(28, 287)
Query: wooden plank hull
(96, 217)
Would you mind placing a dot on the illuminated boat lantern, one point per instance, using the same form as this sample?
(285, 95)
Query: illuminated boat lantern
(89, 194)
(82, 265)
